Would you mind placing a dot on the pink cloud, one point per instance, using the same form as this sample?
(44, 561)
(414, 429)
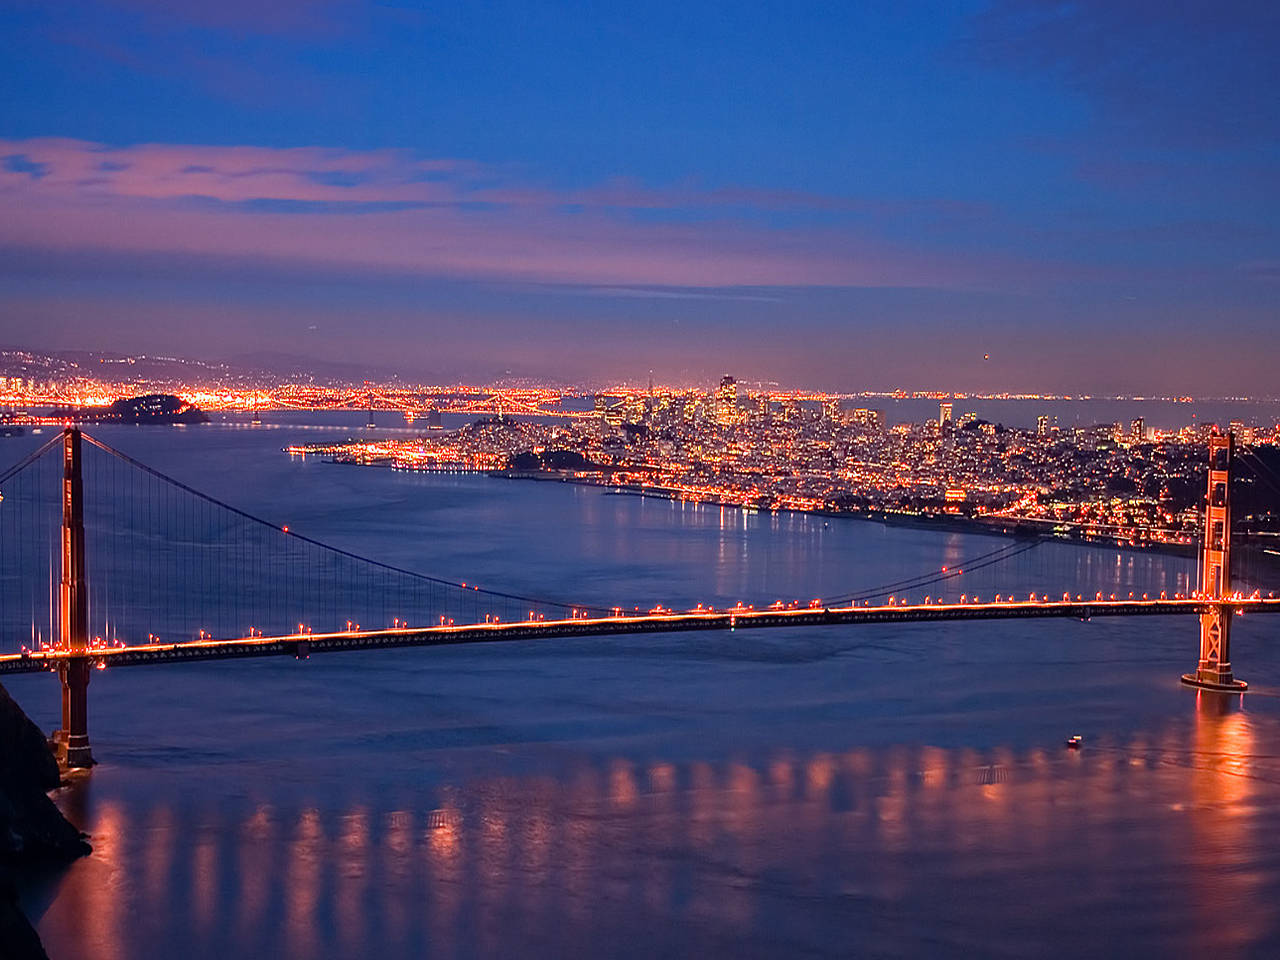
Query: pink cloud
(255, 16)
(390, 210)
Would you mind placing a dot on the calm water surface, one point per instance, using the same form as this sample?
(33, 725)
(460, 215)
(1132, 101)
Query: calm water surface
(889, 791)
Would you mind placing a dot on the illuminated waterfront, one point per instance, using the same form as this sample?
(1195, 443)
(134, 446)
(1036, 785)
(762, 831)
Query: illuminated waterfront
(1118, 482)
(896, 790)
(554, 480)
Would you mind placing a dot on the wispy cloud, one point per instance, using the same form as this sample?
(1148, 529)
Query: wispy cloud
(241, 16)
(1200, 75)
(393, 210)
(658, 293)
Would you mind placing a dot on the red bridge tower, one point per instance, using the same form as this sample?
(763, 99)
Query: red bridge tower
(1214, 670)
(73, 612)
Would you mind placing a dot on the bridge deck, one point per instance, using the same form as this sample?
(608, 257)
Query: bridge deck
(303, 645)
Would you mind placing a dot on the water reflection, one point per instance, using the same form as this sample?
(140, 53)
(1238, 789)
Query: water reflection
(306, 856)
(1223, 835)
(788, 852)
(352, 880)
(255, 842)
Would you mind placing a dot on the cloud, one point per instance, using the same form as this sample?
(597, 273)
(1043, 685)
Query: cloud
(397, 211)
(21, 163)
(240, 16)
(1201, 75)
(1268, 270)
(658, 293)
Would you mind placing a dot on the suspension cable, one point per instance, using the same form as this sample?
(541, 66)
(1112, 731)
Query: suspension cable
(30, 458)
(980, 562)
(1273, 481)
(107, 448)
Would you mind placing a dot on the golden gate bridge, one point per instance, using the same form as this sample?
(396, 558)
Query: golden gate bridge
(181, 576)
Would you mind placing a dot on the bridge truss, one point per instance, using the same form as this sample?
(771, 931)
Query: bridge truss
(107, 561)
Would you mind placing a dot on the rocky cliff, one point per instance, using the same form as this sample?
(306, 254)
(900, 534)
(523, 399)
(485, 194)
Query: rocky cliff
(33, 833)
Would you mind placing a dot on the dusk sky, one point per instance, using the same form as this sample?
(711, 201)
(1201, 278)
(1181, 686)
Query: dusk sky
(834, 195)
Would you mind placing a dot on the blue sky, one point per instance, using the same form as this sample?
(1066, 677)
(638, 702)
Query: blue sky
(835, 195)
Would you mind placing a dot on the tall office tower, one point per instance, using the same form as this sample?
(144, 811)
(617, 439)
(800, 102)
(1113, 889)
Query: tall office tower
(1042, 425)
(728, 392)
(1138, 430)
(870, 420)
(727, 400)
(944, 415)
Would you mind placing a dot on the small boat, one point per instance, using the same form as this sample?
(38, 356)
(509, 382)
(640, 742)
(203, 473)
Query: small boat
(1074, 743)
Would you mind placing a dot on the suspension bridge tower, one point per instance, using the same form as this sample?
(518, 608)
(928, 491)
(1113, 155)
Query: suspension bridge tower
(1214, 669)
(73, 612)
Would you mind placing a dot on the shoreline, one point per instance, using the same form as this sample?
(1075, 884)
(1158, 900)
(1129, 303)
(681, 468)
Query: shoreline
(1017, 529)
(1012, 528)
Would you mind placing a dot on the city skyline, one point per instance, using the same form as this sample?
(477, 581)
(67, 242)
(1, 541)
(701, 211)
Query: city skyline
(980, 196)
(774, 477)
(37, 378)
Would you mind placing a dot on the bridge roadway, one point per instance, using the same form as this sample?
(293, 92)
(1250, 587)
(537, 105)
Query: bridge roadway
(302, 645)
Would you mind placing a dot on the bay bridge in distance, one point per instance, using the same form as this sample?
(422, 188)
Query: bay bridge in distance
(250, 568)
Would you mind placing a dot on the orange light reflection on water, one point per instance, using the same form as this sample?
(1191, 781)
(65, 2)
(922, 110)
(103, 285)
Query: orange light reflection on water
(557, 857)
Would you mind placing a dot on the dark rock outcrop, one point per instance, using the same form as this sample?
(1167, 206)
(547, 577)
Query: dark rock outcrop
(18, 939)
(153, 408)
(33, 832)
